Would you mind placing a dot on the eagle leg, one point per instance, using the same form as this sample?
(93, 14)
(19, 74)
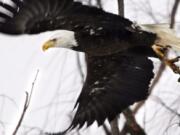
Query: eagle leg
(161, 52)
(174, 67)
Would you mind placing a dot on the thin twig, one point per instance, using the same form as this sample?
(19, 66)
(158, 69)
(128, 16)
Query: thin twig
(10, 99)
(32, 88)
(26, 104)
(22, 115)
(166, 106)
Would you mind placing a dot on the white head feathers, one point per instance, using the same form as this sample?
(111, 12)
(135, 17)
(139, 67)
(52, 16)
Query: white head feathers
(62, 39)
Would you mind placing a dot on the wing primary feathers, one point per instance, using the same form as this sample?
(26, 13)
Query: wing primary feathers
(4, 16)
(101, 117)
(17, 2)
(127, 83)
(8, 7)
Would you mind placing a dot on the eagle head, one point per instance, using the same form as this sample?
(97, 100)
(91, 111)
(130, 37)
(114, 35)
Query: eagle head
(62, 39)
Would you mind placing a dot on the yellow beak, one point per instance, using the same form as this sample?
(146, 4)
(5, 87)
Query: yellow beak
(48, 44)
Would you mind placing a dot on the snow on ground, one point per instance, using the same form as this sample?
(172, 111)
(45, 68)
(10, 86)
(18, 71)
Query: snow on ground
(59, 82)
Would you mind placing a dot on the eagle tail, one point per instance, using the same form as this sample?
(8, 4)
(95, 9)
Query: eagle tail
(165, 35)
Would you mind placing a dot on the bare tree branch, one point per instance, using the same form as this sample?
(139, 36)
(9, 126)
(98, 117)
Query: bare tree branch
(121, 7)
(26, 104)
(173, 13)
(106, 130)
(131, 126)
(114, 127)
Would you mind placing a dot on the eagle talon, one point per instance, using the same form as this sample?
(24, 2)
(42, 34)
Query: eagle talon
(162, 51)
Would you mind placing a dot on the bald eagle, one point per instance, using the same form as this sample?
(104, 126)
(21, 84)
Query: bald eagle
(118, 69)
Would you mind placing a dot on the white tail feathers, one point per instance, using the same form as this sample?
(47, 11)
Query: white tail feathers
(166, 36)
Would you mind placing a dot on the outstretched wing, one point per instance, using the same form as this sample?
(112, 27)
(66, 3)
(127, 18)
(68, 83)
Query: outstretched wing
(113, 83)
(94, 28)
(35, 16)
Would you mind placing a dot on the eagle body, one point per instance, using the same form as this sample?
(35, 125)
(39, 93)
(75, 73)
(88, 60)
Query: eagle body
(113, 83)
(107, 43)
(118, 69)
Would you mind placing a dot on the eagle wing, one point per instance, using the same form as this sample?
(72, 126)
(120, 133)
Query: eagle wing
(94, 28)
(113, 83)
(35, 16)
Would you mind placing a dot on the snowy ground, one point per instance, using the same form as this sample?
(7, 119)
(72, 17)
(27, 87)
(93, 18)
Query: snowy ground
(59, 82)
